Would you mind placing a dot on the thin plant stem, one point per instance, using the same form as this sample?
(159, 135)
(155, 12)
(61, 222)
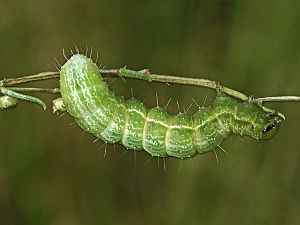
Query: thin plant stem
(36, 90)
(144, 75)
(30, 78)
(279, 99)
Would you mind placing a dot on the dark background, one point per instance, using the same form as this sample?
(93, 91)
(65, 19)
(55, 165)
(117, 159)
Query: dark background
(51, 173)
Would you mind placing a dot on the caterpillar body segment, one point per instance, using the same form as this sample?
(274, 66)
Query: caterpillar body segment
(98, 110)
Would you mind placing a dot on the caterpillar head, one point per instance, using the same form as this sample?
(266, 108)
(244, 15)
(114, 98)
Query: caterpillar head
(271, 126)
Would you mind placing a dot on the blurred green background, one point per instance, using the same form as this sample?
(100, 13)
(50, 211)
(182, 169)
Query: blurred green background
(51, 173)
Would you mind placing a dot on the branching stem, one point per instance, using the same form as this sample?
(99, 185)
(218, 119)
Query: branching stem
(144, 75)
(280, 99)
(36, 90)
(30, 78)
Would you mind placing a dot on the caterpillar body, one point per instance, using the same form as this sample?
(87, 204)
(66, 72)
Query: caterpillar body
(111, 118)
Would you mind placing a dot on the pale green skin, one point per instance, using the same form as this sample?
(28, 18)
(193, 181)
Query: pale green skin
(98, 110)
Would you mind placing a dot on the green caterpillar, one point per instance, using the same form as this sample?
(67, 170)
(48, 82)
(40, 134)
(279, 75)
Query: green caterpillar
(99, 111)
